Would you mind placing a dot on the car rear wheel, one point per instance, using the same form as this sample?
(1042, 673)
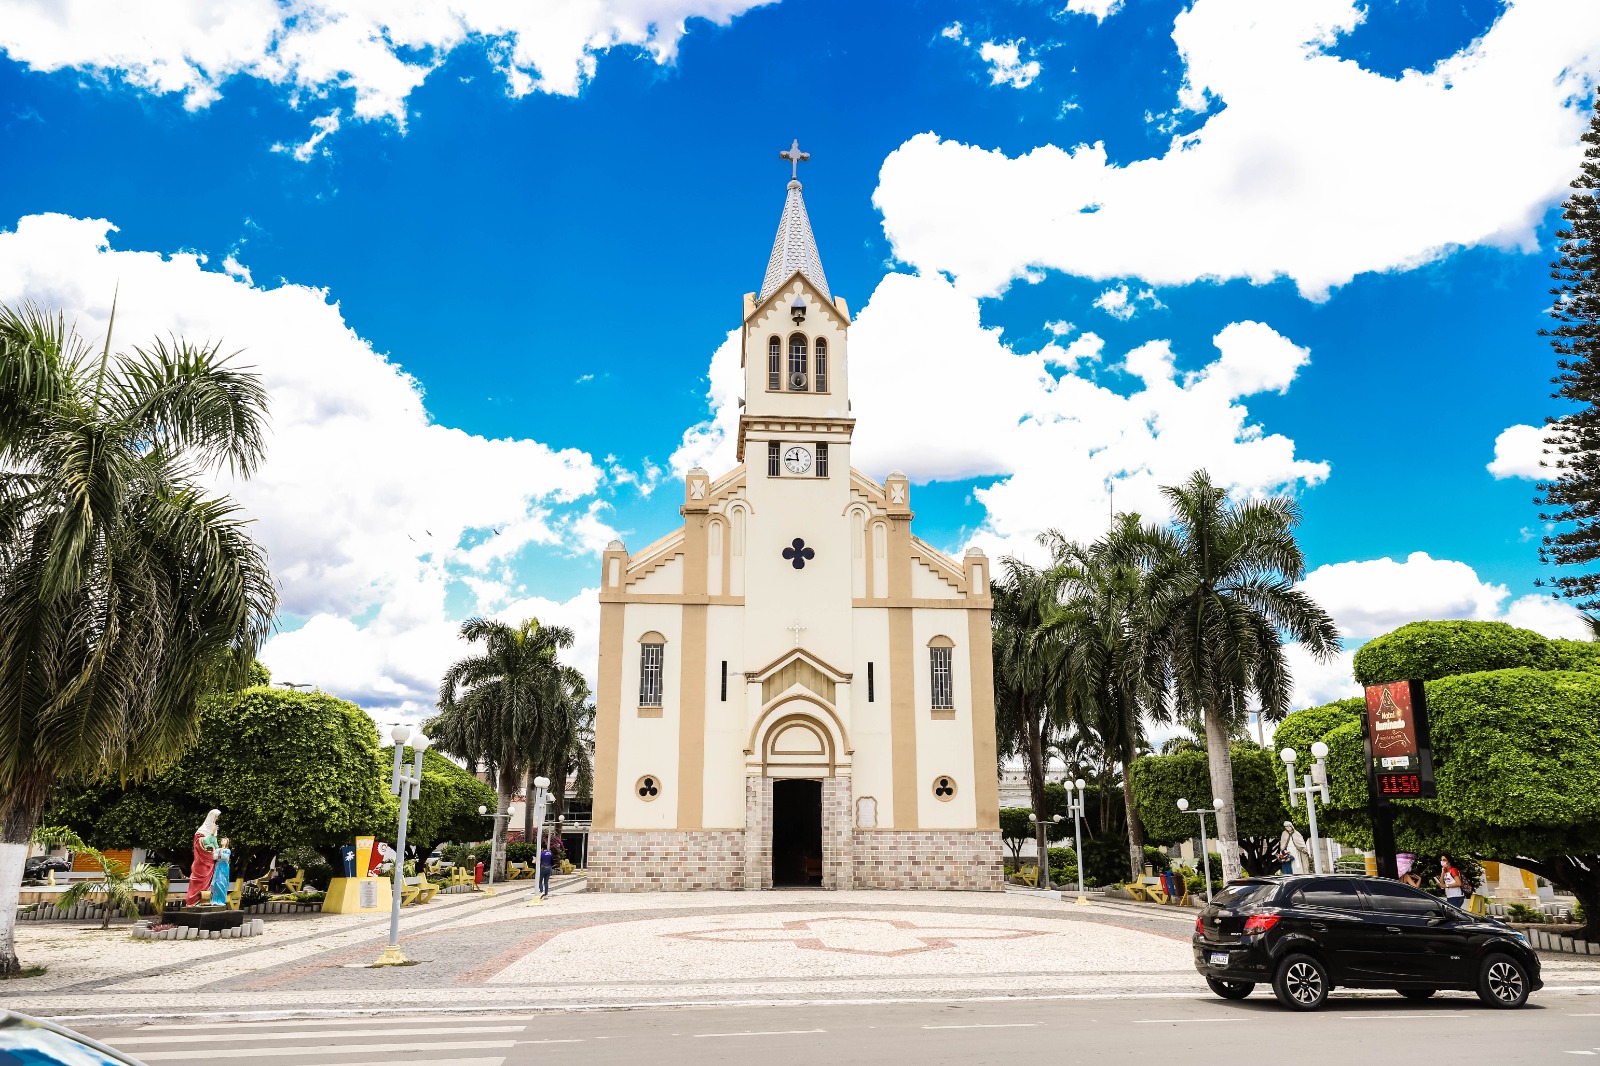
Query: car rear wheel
(1503, 982)
(1230, 989)
(1417, 994)
(1301, 983)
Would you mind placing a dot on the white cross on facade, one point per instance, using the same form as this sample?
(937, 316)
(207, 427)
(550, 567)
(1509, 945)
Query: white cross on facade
(796, 628)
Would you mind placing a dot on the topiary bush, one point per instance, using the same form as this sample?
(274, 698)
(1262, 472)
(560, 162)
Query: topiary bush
(1424, 651)
(1575, 655)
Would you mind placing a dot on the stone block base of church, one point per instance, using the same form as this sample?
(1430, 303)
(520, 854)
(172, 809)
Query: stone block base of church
(666, 861)
(929, 858)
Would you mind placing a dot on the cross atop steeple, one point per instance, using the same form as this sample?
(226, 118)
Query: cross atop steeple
(795, 156)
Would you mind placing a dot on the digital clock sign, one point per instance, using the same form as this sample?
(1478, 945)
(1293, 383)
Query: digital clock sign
(1399, 752)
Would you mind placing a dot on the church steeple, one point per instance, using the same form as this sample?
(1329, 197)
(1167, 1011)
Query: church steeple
(794, 248)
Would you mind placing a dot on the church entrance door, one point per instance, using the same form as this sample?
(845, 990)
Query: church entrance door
(796, 833)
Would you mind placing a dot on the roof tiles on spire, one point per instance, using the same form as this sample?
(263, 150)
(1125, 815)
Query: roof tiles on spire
(794, 249)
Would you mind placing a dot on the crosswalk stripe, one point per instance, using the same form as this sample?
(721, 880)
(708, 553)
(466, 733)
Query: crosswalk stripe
(321, 1050)
(300, 1034)
(432, 1062)
(375, 1021)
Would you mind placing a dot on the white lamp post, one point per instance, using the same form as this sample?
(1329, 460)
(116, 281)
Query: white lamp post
(408, 787)
(1205, 852)
(494, 833)
(1315, 782)
(541, 796)
(1075, 802)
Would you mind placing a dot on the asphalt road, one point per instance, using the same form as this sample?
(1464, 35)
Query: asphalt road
(1197, 1031)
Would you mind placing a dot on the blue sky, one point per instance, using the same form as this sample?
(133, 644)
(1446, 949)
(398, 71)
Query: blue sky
(488, 270)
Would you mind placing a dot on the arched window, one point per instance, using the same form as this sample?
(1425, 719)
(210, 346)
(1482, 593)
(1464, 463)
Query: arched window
(774, 364)
(941, 650)
(652, 648)
(797, 362)
(822, 366)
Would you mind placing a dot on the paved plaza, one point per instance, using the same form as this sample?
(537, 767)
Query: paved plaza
(582, 950)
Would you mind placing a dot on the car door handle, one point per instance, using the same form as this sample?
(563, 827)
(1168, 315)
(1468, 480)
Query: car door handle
(1392, 928)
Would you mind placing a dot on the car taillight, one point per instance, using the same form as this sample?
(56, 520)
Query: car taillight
(1259, 923)
(1199, 925)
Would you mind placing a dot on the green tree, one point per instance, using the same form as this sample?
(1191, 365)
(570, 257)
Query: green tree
(126, 592)
(1517, 761)
(1570, 499)
(1015, 829)
(497, 708)
(568, 745)
(285, 768)
(118, 886)
(1160, 780)
(1223, 598)
(446, 808)
(1024, 665)
(1110, 671)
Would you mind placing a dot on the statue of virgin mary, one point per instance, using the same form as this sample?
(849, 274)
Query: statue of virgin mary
(205, 860)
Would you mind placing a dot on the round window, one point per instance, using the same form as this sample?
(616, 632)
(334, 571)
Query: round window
(944, 788)
(648, 788)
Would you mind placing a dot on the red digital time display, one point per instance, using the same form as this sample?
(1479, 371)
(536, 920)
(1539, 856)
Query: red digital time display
(1400, 784)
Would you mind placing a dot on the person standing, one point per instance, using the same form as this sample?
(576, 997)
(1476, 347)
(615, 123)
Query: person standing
(1452, 881)
(547, 861)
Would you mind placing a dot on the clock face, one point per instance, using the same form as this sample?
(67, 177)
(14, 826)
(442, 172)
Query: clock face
(797, 459)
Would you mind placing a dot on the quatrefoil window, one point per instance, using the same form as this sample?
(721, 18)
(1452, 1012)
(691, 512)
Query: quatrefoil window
(944, 788)
(649, 787)
(799, 554)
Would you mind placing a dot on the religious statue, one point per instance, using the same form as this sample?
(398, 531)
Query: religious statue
(220, 882)
(205, 846)
(1293, 851)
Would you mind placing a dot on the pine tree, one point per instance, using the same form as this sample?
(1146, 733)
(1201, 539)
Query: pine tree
(1571, 498)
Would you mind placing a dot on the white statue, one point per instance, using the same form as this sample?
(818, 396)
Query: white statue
(1293, 849)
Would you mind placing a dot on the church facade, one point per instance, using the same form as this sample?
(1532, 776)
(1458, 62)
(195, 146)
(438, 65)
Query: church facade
(793, 688)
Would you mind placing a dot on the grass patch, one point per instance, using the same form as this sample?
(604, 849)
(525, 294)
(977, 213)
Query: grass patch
(26, 971)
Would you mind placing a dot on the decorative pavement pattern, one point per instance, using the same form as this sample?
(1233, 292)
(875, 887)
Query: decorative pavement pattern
(578, 950)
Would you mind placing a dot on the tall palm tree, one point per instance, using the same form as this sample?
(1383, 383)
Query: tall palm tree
(1025, 724)
(126, 591)
(1223, 599)
(495, 708)
(1111, 669)
(564, 742)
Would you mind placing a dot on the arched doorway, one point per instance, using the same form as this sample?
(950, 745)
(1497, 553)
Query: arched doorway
(796, 833)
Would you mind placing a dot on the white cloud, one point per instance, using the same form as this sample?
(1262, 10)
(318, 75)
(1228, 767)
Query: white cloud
(1315, 169)
(1060, 327)
(377, 52)
(366, 505)
(1006, 65)
(323, 128)
(1518, 451)
(1320, 681)
(1050, 437)
(953, 32)
(1119, 304)
(1100, 9)
(1371, 597)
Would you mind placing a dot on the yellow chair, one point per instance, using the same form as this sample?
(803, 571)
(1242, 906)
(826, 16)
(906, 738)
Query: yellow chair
(1478, 905)
(296, 883)
(235, 893)
(1029, 875)
(426, 889)
(1150, 886)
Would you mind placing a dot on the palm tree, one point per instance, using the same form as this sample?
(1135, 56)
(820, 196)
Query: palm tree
(1111, 670)
(118, 886)
(1024, 722)
(496, 708)
(565, 747)
(1223, 599)
(126, 592)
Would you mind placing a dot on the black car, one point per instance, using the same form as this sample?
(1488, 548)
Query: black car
(38, 868)
(1308, 933)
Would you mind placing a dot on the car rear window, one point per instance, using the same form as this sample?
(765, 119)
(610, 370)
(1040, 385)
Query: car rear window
(1339, 895)
(1244, 895)
(1401, 899)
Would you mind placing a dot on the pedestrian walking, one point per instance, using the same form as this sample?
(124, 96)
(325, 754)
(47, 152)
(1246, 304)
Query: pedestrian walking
(547, 860)
(1452, 881)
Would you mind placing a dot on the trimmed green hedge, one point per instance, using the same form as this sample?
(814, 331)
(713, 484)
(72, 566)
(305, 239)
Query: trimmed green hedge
(1424, 651)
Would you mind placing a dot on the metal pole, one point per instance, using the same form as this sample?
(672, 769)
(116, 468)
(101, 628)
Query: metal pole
(407, 787)
(1205, 854)
(399, 867)
(1311, 813)
(1077, 843)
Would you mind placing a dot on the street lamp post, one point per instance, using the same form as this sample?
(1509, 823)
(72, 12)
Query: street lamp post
(1205, 852)
(1316, 782)
(541, 796)
(1043, 861)
(1076, 805)
(408, 787)
(494, 832)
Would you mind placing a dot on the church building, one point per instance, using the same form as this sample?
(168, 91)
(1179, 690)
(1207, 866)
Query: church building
(793, 688)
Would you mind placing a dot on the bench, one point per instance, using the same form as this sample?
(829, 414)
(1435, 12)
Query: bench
(417, 890)
(516, 870)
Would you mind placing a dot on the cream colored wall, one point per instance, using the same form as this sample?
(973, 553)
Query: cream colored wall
(944, 746)
(649, 745)
(666, 579)
(872, 768)
(822, 320)
(727, 724)
(926, 584)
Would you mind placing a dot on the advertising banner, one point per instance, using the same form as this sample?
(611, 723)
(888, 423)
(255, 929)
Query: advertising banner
(1399, 754)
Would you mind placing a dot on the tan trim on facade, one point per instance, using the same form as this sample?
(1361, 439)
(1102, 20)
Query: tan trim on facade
(670, 597)
(940, 641)
(975, 604)
(652, 637)
(980, 670)
(902, 714)
(900, 559)
(648, 711)
(692, 716)
(608, 717)
(785, 290)
(833, 673)
(766, 721)
(639, 571)
(944, 714)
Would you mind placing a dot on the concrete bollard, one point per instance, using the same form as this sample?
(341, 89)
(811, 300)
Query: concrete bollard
(1566, 944)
